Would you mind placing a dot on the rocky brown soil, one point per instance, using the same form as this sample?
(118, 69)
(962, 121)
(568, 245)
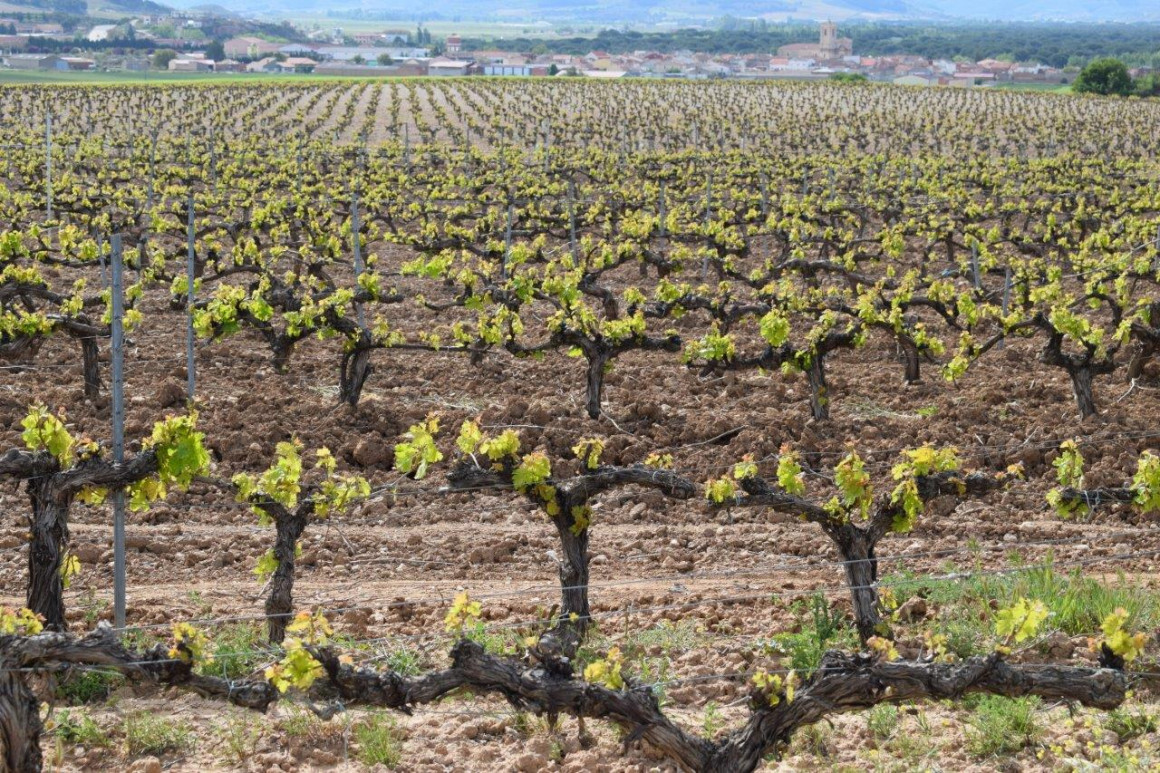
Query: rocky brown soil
(710, 586)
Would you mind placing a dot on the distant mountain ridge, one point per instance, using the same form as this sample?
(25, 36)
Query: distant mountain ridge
(83, 7)
(1039, 10)
(613, 11)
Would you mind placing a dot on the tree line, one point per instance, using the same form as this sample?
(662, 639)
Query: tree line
(1058, 45)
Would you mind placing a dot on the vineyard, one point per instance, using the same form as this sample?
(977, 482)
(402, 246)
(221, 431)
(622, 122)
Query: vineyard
(486, 425)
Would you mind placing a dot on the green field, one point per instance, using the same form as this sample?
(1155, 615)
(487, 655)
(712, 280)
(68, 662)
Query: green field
(15, 77)
(12, 77)
(37, 76)
(1055, 88)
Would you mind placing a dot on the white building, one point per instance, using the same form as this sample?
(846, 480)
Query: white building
(100, 33)
(447, 67)
(914, 80)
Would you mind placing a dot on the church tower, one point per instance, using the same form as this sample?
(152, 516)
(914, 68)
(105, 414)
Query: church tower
(829, 41)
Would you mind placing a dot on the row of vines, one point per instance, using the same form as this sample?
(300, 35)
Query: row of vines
(754, 236)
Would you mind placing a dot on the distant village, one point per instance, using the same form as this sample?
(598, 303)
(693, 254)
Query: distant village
(397, 53)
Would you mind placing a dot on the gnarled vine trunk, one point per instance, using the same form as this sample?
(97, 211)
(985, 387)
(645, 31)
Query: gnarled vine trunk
(86, 334)
(1147, 335)
(568, 503)
(280, 601)
(597, 362)
(845, 683)
(1081, 368)
(819, 393)
(856, 543)
(51, 492)
(20, 726)
(353, 373)
(48, 526)
(281, 348)
(856, 546)
(573, 568)
(910, 359)
(599, 352)
(90, 355)
(1081, 387)
(1141, 356)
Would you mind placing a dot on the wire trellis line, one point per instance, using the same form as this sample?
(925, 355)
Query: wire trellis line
(751, 572)
(769, 594)
(539, 622)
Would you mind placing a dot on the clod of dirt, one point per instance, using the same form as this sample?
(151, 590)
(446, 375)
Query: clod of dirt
(169, 393)
(146, 765)
(372, 452)
(912, 609)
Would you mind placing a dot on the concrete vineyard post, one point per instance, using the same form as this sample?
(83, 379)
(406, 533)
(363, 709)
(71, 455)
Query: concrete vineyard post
(358, 261)
(661, 209)
(190, 260)
(708, 219)
(48, 165)
(1006, 298)
(118, 399)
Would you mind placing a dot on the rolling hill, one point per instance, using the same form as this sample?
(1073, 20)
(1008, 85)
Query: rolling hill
(610, 11)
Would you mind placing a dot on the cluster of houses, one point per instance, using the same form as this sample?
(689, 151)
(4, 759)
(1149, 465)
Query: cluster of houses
(830, 56)
(382, 54)
(389, 53)
(48, 62)
(19, 34)
(901, 69)
(22, 35)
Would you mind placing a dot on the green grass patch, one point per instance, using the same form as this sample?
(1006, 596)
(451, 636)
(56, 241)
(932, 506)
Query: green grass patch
(1054, 88)
(820, 627)
(1130, 724)
(711, 720)
(241, 734)
(148, 733)
(1001, 725)
(495, 641)
(403, 661)
(84, 685)
(240, 649)
(1078, 604)
(668, 637)
(882, 721)
(78, 728)
(299, 723)
(379, 741)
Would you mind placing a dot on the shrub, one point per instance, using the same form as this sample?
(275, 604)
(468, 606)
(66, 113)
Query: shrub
(1104, 76)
